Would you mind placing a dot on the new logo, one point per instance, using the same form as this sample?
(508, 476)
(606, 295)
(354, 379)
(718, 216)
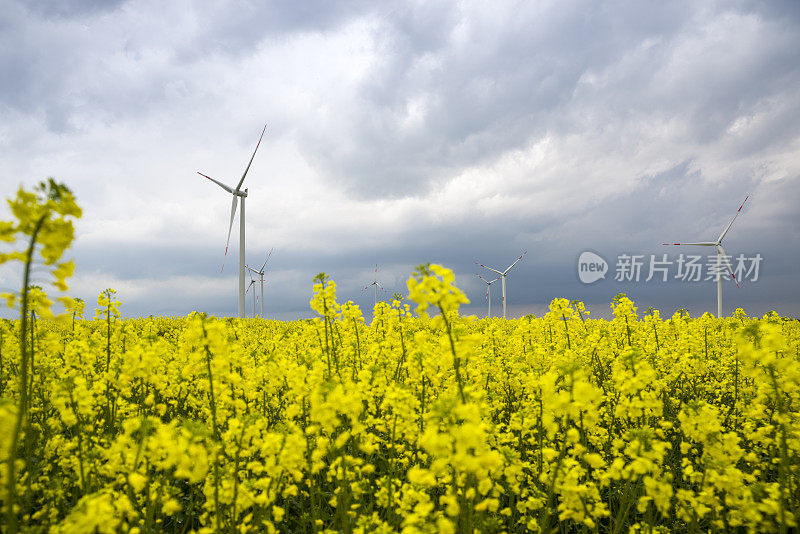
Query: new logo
(591, 267)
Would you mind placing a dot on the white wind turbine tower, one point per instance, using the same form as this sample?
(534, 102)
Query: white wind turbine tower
(376, 284)
(488, 292)
(260, 274)
(720, 257)
(503, 277)
(237, 194)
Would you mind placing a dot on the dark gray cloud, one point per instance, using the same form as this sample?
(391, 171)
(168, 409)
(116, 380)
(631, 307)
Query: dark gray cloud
(486, 130)
(243, 28)
(485, 86)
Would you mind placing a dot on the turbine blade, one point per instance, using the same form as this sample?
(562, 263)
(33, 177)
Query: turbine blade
(728, 264)
(251, 158)
(265, 261)
(233, 214)
(513, 264)
(485, 267)
(704, 244)
(223, 186)
(725, 231)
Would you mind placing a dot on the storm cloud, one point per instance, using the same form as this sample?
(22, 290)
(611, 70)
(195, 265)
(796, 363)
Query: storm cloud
(404, 133)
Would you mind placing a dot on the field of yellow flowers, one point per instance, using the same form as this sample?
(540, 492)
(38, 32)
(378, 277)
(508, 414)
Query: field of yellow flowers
(411, 423)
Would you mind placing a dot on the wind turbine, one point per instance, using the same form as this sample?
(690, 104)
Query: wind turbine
(503, 277)
(720, 255)
(237, 194)
(260, 274)
(252, 283)
(376, 284)
(488, 292)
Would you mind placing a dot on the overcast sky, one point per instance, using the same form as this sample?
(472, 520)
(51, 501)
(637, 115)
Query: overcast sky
(409, 132)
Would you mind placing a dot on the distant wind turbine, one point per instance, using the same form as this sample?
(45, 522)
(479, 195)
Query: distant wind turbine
(503, 277)
(488, 292)
(237, 194)
(252, 283)
(260, 273)
(720, 256)
(376, 284)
